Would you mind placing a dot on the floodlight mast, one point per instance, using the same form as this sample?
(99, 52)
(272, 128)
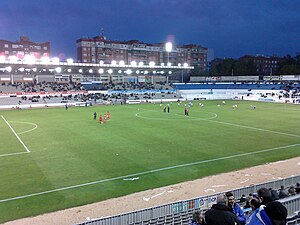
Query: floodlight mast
(169, 47)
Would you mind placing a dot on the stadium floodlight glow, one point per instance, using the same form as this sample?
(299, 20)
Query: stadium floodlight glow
(128, 71)
(119, 71)
(101, 71)
(162, 72)
(179, 64)
(80, 70)
(162, 64)
(133, 63)
(170, 72)
(55, 60)
(113, 63)
(69, 70)
(169, 46)
(13, 58)
(185, 65)
(70, 61)
(141, 63)
(122, 63)
(34, 69)
(45, 60)
(2, 58)
(29, 59)
(110, 71)
(21, 69)
(146, 72)
(154, 72)
(169, 64)
(8, 69)
(151, 64)
(90, 71)
(101, 62)
(137, 72)
(58, 69)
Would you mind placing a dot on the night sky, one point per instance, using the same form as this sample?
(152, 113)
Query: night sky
(232, 28)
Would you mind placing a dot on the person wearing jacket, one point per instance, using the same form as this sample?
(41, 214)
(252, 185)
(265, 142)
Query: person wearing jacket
(274, 213)
(236, 209)
(220, 214)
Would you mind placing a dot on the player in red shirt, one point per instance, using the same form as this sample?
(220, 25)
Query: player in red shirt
(100, 119)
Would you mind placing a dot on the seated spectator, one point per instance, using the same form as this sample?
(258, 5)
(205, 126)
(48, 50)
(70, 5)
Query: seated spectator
(248, 199)
(197, 218)
(282, 192)
(292, 190)
(255, 203)
(297, 188)
(243, 198)
(235, 207)
(264, 195)
(220, 213)
(274, 194)
(274, 213)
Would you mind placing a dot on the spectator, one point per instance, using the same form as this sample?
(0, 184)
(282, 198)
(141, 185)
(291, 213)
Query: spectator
(236, 209)
(274, 194)
(255, 203)
(243, 198)
(264, 195)
(197, 218)
(274, 213)
(292, 190)
(297, 188)
(248, 199)
(282, 192)
(220, 213)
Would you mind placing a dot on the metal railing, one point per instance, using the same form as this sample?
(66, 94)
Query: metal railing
(202, 203)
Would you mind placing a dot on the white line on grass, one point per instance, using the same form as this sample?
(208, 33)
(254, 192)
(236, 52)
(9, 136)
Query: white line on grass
(254, 128)
(147, 172)
(16, 153)
(15, 134)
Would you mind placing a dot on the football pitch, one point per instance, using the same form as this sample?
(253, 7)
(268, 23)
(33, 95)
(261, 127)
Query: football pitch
(52, 159)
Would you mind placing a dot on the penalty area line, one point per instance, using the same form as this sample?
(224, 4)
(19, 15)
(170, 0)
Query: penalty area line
(147, 172)
(15, 134)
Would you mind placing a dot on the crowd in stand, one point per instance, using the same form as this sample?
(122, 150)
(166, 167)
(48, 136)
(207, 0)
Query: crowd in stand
(261, 208)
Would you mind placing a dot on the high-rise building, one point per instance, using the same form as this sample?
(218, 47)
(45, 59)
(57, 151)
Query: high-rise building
(99, 48)
(24, 47)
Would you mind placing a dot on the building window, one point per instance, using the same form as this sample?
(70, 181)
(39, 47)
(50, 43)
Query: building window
(6, 46)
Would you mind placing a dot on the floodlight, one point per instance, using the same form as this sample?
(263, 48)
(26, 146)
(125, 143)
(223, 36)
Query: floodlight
(169, 64)
(58, 69)
(121, 63)
(8, 69)
(55, 60)
(137, 72)
(152, 64)
(162, 64)
(110, 71)
(69, 70)
(101, 71)
(141, 63)
(21, 69)
(101, 62)
(128, 71)
(113, 63)
(70, 61)
(119, 71)
(133, 63)
(169, 46)
(90, 71)
(80, 70)
(170, 72)
(185, 65)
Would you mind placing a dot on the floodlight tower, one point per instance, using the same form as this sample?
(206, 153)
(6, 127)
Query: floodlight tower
(169, 47)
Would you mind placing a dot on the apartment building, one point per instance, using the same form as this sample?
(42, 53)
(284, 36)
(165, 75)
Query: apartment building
(23, 47)
(99, 48)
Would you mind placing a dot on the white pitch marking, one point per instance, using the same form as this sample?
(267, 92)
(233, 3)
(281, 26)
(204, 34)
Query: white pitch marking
(35, 126)
(244, 181)
(16, 153)
(15, 134)
(147, 172)
(254, 128)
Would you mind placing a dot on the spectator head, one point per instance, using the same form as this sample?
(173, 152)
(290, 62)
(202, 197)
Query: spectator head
(255, 203)
(230, 198)
(222, 199)
(276, 212)
(197, 217)
(265, 195)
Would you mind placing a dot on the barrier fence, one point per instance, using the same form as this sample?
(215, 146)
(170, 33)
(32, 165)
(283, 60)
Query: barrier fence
(202, 203)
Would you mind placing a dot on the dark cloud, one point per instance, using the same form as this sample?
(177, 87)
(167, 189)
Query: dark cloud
(232, 27)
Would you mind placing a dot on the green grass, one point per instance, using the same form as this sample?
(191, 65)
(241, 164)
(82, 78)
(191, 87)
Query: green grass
(69, 148)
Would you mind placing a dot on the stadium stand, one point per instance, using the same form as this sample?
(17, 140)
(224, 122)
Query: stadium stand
(180, 213)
